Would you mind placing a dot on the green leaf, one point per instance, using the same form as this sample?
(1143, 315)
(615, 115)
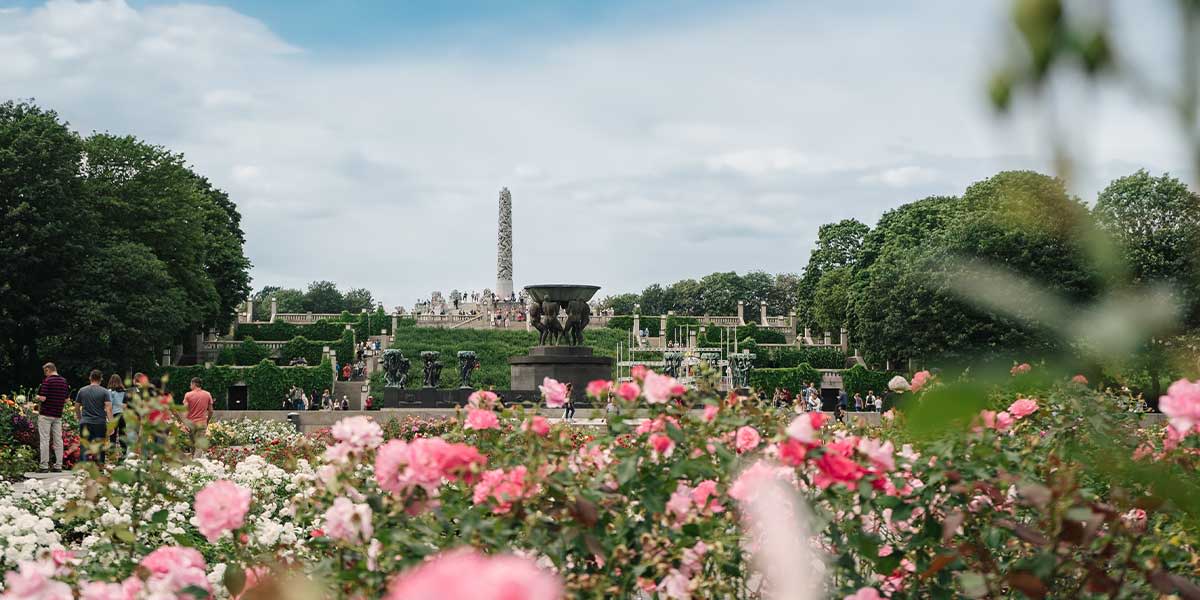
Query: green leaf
(627, 470)
(159, 517)
(124, 534)
(973, 585)
(124, 476)
(234, 579)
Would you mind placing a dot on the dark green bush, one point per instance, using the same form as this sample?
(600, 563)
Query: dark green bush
(791, 356)
(267, 383)
(792, 379)
(859, 379)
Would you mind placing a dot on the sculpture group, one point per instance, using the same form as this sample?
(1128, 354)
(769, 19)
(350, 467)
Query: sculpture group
(395, 369)
(544, 317)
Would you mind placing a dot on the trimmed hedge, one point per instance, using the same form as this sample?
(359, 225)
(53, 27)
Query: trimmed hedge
(267, 383)
(282, 332)
(625, 323)
(791, 379)
(749, 330)
(781, 358)
(250, 352)
(859, 379)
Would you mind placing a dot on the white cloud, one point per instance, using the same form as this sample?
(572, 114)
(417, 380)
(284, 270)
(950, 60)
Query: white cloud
(901, 177)
(659, 153)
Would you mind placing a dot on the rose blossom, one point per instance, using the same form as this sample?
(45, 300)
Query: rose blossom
(710, 412)
(920, 378)
(680, 503)
(867, 593)
(1182, 405)
(424, 462)
(662, 444)
(747, 439)
(348, 521)
(879, 453)
(98, 590)
(359, 433)
(899, 384)
(1135, 520)
(503, 487)
(703, 492)
(174, 568)
(1020, 369)
(35, 580)
(1080, 379)
(554, 392)
(537, 424)
(221, 506)
(747, 484)
(629, 391)
(804, 427)
(660, 388)
(483, 399)
(465, 574)
(1022, 408)
(835, 468)
(597, 388)
(481, 418)
(638, 372)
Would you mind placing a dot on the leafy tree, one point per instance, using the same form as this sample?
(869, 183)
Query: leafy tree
(831, 302)
(1156, 223)
(784, 294)
(657, 300)
(621, 304)
(40, 226)
(224, 258)
(323, 297)
(838, 245)
(358, 299)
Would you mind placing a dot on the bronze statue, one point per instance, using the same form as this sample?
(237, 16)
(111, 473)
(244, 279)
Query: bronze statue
(535, 318)
(433, 368)
(551, 329)
(672, 361)
(395, 368)
(467, 362)
(578, 316)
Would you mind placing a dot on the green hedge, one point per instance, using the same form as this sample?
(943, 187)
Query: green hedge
(281, 332)
(820, 358)
(625, 323)
(859, 379)
(493, 348)
(250, 352)
(749, 330)
(267, 383)
(791, 379)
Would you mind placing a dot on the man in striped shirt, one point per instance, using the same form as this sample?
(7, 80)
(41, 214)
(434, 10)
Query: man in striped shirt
(52, 396)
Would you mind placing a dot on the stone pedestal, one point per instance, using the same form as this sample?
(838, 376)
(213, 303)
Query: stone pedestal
(569, 364)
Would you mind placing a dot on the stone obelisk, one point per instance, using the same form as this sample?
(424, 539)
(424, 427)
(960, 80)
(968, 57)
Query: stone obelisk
(504, 265)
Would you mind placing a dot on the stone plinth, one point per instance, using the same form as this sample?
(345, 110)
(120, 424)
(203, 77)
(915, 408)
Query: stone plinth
(569, 364)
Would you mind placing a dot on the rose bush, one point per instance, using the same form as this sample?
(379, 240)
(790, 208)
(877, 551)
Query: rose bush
(1049, 490)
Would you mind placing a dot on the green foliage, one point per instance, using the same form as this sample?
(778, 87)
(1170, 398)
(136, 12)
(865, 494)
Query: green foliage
(792, 379)
(250, 352)
(859, 379)
(493, 347)
(280, 331)
(266, 382)
(625, 323)
(838, 246)
(301, 347)
(751, 331)
(715, 294)
(793, 356)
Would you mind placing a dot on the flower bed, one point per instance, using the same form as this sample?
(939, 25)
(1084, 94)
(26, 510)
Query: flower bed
(966, 490)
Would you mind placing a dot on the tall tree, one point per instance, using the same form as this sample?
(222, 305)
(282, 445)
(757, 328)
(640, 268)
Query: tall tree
(41, 223)
(323, 297)
(621, 304)
(838, 245)
(1156, 223)
(358, 299)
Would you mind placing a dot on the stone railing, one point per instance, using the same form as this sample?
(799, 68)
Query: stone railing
(218, 345)
(305, 318)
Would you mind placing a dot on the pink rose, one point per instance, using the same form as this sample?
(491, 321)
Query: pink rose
(358, 433)
(710, 412)
(96, 590)
(349, 522)
(1080, 379)
(597, 388)
(638, 372)
(554, 392)
(804, 427)
(1022, 408)
(481, 418)
(757, 474)
(660, 388)
(866, 593)
(920, 378)
(1004, 421)
(503, 488)
(172, 569)
(538, 425)
(835, 468)
(424, 463)
(465, 574)
(680, 503)
(1020, 369)
(792, 452)
(747, 439)
(703, 492)
(879, 453)
(628, 391)
(662, 444)
(1182, 405)
(221, 506)
(1135, 520)
(35, 580)
(485, 399)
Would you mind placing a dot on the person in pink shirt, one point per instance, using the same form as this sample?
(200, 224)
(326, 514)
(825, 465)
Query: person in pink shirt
(199, 404)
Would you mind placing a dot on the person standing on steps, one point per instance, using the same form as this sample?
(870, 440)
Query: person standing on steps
(569, 413)
(52, 397)
(93, 409)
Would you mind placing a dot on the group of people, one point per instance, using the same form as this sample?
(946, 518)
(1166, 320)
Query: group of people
(809, 399)
(96, 406)
(297, 399)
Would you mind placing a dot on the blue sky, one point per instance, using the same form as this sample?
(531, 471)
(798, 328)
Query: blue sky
(668, 139)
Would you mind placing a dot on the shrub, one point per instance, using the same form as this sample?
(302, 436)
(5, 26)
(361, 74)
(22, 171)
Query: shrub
(821, 358)
(267, 383)
(859, 379)
(791, 379)
(250, 352)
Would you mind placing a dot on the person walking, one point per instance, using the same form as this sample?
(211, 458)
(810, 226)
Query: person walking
(569, 413)
(199, 404)
(346, 372)
(117, 396)
(858, 402)
(843, 401)
(872, 401)
(93, 409)
(52, 397)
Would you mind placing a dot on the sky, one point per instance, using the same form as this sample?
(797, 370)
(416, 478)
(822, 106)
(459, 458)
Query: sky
(366, 142)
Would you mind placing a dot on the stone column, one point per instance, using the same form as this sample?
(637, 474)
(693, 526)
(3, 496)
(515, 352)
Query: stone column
(249, 311)
(762, 313)
(845, 340)
(741, 313)
(828, 338)
(807, 335)
(395, 324)
(691, 338)
(637, 324)
(504, 266)
(274, 308)
(662, 324)
(704, 335)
